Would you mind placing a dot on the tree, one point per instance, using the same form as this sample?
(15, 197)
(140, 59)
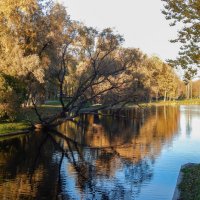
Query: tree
(23, 36)
(160, 78)
(167, 82)
(13, 94)
(94, 51)
(196, 89)
(187, 14)
(153, 66)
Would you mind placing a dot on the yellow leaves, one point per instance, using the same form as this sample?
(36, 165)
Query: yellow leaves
(9, 7)
(13, 62)
(39, 74)
(82, 68)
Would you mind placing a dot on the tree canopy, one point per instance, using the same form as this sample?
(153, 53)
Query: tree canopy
(186, 13)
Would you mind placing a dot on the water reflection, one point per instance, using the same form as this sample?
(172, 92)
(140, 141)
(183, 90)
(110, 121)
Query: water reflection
(130, 137)
(96, 157)
(120, 150)
(26, 164)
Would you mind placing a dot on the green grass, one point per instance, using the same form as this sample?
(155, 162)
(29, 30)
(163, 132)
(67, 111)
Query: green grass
(175, 102)
(12, 127)
(190, 184)
(28, 114)
(54, 103)
(44, 110)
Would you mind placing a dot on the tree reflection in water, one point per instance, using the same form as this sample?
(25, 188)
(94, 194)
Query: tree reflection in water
(121, 145)
(97, 157)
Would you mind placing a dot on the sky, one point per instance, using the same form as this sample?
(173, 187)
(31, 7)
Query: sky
(140, 22)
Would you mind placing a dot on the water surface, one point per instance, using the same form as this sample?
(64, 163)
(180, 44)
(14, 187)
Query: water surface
(135, 156)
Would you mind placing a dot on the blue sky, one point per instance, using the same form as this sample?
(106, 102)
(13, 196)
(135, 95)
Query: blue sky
(140, 22)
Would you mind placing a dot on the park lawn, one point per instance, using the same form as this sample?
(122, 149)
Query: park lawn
(28, 115)
(44, 110)
(13, 127)
(190, 183)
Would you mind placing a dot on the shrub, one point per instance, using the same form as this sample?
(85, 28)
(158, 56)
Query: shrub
(12, 95)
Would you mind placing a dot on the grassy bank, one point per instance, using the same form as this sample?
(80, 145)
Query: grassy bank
(190, 184)
(28, 115)
(175, 102)
(52, 107)
(13, 126)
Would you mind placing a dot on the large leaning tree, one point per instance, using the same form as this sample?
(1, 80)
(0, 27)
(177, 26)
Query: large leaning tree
(94, 65)
(186, 13)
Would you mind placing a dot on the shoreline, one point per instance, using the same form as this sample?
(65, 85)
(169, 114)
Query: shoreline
(14, 133)
(24, 126)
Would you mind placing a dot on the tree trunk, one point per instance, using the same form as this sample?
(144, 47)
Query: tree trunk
(156, 96)
(165, 95)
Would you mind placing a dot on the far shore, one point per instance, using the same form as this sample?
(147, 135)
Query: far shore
(173, 102)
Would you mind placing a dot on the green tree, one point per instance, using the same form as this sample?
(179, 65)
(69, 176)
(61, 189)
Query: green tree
(186, 13)
(12, 95)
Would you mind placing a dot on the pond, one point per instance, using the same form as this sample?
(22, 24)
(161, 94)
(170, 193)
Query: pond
(127, 154)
